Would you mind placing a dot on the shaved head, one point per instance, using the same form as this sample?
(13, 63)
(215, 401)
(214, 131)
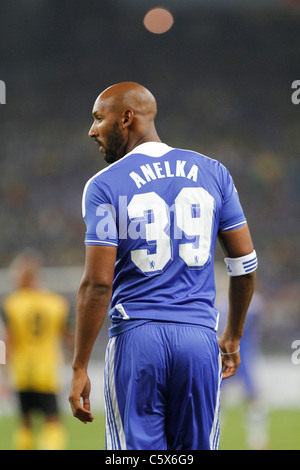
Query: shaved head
(124, 116)
(130, 95)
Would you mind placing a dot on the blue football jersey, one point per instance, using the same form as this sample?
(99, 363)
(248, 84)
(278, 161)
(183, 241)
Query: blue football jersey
(162, 208)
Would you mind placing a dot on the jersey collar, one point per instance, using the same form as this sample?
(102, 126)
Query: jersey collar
(152, 149)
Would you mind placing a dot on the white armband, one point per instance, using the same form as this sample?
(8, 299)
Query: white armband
(243, 265)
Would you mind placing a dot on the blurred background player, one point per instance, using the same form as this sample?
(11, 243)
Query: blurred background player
(35, 323)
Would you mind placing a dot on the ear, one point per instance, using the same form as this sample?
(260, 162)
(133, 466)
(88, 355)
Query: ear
(127, 117)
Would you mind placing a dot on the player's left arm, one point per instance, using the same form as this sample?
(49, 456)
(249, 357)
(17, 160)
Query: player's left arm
(241, 258)
(93, 299)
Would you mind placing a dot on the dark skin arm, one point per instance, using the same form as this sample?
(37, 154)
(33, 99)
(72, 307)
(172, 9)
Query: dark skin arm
(93, 299)
(236, 243)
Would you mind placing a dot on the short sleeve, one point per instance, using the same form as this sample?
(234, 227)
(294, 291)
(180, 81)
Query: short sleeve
(232, 214)
(99, 215)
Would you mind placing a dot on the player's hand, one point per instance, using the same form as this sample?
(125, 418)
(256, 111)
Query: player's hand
(80, 390)
(231, 362)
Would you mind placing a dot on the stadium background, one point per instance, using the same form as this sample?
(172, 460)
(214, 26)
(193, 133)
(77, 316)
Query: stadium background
(222, 77)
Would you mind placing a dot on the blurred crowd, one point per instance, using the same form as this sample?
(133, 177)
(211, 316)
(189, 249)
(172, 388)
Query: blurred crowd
(223, 86)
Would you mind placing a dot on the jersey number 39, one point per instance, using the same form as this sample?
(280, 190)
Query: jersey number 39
(194, 210)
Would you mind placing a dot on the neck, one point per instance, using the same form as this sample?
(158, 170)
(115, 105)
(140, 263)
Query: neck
(134, 141)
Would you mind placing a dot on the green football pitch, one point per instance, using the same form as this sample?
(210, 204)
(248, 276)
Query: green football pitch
(284, 431)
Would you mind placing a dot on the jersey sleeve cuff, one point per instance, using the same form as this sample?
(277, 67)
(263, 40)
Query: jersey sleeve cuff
(101, 242)
(234, 226)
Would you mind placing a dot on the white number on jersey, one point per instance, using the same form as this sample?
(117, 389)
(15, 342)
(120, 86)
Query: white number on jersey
(155, 206)
(194, 215)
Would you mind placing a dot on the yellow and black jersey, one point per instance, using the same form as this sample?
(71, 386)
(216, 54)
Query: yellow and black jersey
(36, 321)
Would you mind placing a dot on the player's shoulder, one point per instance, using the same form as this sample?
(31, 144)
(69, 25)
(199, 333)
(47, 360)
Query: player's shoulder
(13, 301)
(13, 296)
(104, 178)
(211, 165)
(6, 303)
(201, 157)
(94, 179)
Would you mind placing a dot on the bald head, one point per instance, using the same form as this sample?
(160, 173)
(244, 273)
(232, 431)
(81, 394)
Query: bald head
(124, 116)
(130, 95)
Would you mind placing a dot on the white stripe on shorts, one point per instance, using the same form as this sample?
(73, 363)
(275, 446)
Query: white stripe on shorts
(214, 437)
(115, 437)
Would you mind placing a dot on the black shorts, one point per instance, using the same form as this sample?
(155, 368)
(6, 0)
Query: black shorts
(35, 401)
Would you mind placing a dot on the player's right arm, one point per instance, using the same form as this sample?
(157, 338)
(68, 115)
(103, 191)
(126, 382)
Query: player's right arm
(93, 299)
(95, 289)
(236, 245)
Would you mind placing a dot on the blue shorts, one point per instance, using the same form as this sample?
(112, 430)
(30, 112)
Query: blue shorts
(162, 388)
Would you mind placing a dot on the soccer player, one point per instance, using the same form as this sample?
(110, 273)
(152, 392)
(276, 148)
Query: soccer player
(35, 322)
(152, 218)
